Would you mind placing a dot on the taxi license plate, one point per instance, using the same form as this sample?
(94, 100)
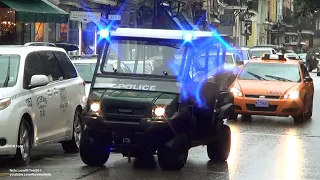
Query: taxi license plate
(262, 103)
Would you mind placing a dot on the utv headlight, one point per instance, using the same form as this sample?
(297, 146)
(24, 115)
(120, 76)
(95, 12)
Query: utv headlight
(95, 107)
(4, 103)
(159, 111)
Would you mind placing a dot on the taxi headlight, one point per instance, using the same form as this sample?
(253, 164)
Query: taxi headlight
(95, 107)
(4, 103)
(159, 111)
(235, 91)
(292, 95)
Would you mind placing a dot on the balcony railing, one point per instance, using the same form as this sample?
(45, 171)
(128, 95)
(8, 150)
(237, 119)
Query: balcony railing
(304, 23)
(252, 5)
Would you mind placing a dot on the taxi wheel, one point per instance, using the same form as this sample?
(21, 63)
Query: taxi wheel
(309, 113)
(246, 117)
(74, 145)
(303, 116)
(233, 117)
(22, 156)
(220, 149)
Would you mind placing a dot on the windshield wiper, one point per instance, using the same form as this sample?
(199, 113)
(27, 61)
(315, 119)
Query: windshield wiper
(257, 76)
(6, 81)
(278, 78)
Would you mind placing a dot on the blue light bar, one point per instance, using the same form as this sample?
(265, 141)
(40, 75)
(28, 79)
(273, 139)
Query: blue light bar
(104, 33)
(188, 37)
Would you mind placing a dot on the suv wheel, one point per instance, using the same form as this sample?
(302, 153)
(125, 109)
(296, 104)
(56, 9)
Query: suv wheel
(92, 151)
(172, 158)
(220, 149)
(23, 152)
(74, 144)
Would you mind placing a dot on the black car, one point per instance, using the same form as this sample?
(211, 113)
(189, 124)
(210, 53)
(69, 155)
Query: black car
(312, 59)
(164, 112)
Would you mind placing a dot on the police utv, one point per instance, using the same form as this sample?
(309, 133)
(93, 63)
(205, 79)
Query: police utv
(166, 104)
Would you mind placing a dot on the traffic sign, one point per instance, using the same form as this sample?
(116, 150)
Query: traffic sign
(114, 17)
(248, 29)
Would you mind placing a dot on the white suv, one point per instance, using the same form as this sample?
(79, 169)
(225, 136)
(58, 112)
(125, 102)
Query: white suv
(41, 100)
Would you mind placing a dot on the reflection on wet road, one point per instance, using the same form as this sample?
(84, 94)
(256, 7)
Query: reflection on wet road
(266, 148)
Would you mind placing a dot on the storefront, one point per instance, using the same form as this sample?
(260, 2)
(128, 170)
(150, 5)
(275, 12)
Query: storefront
(28, 21)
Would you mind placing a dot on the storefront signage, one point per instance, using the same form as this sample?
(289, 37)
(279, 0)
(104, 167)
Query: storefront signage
(113, 17)
(85, 17)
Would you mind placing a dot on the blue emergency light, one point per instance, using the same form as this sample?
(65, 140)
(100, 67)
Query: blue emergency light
(188, 37)
(104, 33)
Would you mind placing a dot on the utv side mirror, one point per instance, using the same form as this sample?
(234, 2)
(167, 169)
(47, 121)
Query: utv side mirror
(308, 79)
(38, 80)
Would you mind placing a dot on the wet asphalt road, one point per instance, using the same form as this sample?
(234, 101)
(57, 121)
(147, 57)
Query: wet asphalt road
(267, 148)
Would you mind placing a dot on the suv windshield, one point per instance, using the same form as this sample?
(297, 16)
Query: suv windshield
(270, 72)
(9, 68)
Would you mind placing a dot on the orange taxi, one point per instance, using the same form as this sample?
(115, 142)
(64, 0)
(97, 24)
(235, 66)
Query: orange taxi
(273, 86)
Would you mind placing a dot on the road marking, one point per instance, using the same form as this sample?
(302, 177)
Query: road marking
(265, 134)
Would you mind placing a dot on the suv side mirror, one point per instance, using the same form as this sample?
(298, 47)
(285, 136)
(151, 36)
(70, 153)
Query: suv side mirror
(38, 80)
(308, 79)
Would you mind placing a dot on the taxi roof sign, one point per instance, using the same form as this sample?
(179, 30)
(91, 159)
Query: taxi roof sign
(273, 57)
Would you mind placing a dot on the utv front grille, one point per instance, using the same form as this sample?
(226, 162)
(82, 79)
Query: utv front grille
(129, 114)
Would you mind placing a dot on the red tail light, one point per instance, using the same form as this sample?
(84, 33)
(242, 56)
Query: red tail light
(84, 83)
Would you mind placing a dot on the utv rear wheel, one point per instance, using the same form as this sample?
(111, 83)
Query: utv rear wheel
(23, 152)
(92, 151)
(73, 145)
(220, 149)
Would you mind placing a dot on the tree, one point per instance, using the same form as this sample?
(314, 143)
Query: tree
(306, 7)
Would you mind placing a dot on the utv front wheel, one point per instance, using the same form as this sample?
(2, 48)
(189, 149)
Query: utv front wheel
(172, 158)
(220, 149)
(92, 151)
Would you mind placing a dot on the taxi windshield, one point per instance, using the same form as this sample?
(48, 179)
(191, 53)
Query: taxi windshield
(144, 57)
(270, 72)
(9, 68)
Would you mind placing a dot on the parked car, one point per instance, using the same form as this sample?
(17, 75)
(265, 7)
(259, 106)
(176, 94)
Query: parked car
(257, 52)
(292, 56)
(302, 56)
(42, 98)
(86, 69)
(312, 58)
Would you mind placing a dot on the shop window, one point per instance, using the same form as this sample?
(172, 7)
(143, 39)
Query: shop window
(73, 32)
(88, 38)
(26, 32)
(64, 32)
(39, 31)
(7, 26)
(52, 32)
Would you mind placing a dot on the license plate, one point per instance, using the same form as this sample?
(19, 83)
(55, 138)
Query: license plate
(262, 103)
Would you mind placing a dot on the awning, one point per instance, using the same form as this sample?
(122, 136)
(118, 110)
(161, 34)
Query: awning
(29, 11)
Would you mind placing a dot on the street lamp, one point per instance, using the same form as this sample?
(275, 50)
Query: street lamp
(267, 27)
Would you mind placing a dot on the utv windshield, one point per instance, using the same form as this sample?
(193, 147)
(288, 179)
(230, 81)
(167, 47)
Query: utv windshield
(9, 68)
(163, 59)
(143, 57)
